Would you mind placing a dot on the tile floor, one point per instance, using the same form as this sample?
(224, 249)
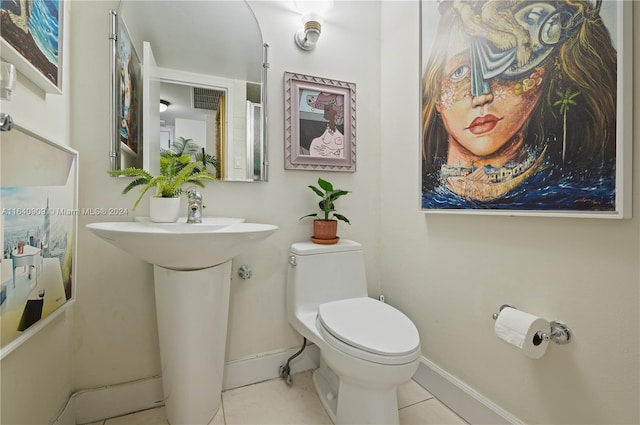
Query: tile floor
(273, 402)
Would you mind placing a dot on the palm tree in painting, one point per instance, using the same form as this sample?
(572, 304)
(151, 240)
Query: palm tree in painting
(565, 102)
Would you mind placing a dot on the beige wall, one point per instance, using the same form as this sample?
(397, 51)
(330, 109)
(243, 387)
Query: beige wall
(450, 273)
(584, 272)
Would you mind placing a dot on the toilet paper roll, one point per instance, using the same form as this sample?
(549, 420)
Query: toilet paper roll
(520, 329)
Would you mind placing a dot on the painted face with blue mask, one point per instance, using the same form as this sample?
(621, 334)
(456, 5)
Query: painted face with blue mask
(511, 38)
(518, 97)
(493, 74)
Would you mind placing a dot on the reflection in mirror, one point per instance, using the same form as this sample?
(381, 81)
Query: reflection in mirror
(208, 62)
(196, 119)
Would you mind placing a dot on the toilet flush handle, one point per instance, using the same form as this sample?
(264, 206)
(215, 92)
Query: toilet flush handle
(292, 260)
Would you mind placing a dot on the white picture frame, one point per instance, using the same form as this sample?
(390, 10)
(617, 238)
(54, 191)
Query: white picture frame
(38, 234)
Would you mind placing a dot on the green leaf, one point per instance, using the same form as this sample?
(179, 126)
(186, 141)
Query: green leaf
(341, 217)
(130, 172)
(134, 183)
(337, 193)
(317, 191)
(181, 146)
(308, 215)
(328, 187)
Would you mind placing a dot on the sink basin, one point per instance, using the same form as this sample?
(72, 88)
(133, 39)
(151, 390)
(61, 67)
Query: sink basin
(180, 245)
(182, 221)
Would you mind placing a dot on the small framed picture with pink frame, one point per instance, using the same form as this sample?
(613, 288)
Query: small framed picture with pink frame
(320, 123)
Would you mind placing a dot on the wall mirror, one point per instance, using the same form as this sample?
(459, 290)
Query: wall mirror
(207, 63)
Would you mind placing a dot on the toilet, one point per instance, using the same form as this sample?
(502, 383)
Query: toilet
(367, 347)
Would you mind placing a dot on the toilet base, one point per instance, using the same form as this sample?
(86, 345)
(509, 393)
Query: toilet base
(327, 389)
(348, 403)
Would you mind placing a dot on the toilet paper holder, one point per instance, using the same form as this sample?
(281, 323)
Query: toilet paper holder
(560, 333)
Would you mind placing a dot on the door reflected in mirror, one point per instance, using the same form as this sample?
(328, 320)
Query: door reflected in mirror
(207, 61)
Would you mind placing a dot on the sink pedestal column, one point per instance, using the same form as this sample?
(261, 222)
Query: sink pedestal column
(192, 311)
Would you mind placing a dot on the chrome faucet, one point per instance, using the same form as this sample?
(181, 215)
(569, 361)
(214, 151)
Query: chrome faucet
(194, 204)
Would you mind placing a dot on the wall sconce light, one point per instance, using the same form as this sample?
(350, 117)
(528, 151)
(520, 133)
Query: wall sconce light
(312, 12)
(7, 80)
(164, 104)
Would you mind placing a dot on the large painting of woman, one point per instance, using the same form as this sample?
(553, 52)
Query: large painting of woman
(519, 102)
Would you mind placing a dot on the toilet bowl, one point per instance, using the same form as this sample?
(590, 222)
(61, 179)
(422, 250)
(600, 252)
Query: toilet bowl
(367, 347)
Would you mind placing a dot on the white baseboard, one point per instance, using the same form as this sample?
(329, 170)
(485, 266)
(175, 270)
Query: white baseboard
(96, 404)
(265, 366)
(115, 400)
(461, 398)
(68, 415)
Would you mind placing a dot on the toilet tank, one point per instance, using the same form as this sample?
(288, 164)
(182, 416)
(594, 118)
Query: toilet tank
(323, 273)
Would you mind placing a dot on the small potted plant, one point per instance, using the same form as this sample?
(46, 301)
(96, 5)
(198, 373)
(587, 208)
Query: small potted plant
(175, 172)
(325, 229)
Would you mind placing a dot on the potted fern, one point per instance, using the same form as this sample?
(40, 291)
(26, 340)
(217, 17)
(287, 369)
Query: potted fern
(325, 226)
(182, 146)
(175, 172)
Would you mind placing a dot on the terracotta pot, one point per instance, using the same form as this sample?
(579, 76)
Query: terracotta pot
(325, 231)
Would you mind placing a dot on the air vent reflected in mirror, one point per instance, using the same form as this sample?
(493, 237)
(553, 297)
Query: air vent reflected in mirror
(208, 99)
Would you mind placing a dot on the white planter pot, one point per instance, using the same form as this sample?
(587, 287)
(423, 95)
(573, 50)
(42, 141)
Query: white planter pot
(164, 210)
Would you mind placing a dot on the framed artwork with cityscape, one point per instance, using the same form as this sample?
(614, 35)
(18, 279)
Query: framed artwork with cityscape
(38, 233)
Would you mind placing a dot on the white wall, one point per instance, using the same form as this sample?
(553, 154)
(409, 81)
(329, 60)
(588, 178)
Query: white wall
(192, 129)
(40, 369)
(450, 273)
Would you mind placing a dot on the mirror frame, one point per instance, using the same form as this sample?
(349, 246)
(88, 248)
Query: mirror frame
(115, 151)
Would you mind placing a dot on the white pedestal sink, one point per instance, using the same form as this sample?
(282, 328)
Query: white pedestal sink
(192, 277)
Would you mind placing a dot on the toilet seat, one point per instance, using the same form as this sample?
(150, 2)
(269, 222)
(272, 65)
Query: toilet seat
(370, 330)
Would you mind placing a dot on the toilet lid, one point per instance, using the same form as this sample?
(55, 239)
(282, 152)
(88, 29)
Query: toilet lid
(371, 326)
